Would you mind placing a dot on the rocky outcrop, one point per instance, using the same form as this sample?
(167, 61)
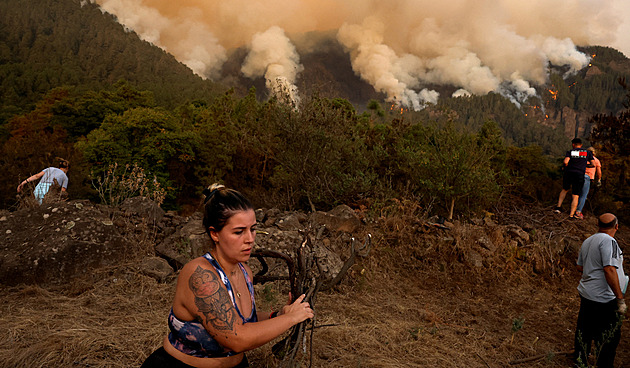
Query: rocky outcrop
(57, 242)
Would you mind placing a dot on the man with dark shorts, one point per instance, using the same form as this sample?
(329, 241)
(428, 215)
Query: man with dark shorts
(575, 162)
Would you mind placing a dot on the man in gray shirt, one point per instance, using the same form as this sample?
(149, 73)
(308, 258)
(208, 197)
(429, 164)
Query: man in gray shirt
(601, 289)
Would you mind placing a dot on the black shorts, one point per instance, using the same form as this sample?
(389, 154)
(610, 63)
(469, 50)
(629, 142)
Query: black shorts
(161, 359)
(573, 181)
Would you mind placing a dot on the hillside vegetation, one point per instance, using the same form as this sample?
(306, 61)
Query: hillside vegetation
(51, 43)
(75, 84)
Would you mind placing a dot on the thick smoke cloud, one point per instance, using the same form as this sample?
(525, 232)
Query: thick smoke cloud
(398, 46)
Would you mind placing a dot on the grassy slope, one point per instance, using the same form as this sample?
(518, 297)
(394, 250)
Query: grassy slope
(415, 301)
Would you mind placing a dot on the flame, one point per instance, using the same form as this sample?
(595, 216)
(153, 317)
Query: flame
(554, 94)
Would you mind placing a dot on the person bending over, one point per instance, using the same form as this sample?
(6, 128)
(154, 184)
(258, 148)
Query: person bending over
(48, 177)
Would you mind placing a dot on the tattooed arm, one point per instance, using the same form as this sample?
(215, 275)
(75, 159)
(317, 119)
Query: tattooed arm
(201, 295)
(212, 300)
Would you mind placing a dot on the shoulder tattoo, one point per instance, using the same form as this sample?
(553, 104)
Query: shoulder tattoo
(212, 300)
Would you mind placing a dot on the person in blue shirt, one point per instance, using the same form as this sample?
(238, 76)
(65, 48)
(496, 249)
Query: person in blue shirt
(47, 178)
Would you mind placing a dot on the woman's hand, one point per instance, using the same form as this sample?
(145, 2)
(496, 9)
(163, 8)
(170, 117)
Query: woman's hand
(298, 310)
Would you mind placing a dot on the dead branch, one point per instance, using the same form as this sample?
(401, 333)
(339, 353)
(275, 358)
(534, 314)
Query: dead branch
(362, 251)
(306, 278)
(261, 278)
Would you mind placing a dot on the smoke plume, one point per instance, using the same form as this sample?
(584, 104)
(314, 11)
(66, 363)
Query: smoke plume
(398, 46)
(273, 56)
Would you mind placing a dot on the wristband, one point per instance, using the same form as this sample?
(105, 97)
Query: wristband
(273, 315)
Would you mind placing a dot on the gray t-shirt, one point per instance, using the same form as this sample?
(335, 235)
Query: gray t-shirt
(55, 173)
(598, 251)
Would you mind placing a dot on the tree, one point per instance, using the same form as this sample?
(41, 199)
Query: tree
(456, 166)
(148, 137)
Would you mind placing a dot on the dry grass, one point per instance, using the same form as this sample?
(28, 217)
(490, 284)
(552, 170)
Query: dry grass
(415, 302)
(113, 323)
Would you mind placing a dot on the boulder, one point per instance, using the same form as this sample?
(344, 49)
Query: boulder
(53, 243)
(187, 242)
(341, 218)
(144, 208)
(156, 267)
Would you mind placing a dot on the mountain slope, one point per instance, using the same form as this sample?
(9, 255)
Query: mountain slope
(49, 43)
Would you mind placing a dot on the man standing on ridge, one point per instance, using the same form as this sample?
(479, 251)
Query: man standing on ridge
(601, 289)
(575, 162)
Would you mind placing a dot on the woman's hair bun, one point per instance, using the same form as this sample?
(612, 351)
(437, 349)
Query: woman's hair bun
(211, 190)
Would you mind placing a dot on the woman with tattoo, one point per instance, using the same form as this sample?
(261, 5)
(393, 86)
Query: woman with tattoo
(214, 320)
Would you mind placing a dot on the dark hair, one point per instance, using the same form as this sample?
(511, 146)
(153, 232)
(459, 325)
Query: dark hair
(576, 141)
(220, 204)
(62, 163)
(607, 225)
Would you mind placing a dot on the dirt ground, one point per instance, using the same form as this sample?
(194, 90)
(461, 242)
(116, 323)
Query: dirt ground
(410, 303)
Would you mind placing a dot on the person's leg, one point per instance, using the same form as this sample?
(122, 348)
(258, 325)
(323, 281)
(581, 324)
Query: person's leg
(566, 185)
(584, 194)
(609, 335)
(563, 193)
(574, 204)
(577, 183)
(583, 333)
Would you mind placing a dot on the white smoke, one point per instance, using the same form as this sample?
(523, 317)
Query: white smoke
(399, 46)
(461, 93)
(186, 37)
(273, 56)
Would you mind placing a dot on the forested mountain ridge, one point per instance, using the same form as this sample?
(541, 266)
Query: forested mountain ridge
(47, 43)
(51, 43)
(343, 145)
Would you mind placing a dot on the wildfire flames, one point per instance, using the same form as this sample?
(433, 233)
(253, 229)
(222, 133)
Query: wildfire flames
(395, 106)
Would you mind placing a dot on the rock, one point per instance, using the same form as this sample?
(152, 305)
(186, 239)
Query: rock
(143, 207)
(475, 259)
(156, 267)
(260, 215)
(276, 239)
(485, 242)
(67, 243)
(329, 262)
(341, 218)
(289, 222)
(188, 242)
(270, 217)
(517, 233)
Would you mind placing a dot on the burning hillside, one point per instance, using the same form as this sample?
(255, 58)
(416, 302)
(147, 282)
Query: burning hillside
(400, 48)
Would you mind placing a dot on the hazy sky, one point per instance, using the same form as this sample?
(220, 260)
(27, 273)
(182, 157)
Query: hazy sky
(398, 46)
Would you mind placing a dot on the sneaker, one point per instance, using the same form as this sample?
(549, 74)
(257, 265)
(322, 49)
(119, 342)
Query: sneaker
(579, 216)
(557, 210)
